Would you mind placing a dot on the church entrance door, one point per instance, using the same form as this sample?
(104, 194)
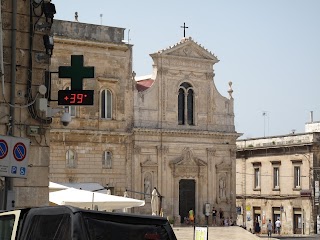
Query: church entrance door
(186, 197)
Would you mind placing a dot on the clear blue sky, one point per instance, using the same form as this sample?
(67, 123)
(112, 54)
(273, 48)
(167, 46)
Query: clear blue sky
(269, 49)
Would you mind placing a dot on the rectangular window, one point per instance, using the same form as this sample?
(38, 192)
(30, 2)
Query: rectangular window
(256, 177)
(107, 160)
(72, 111)
(106, 104)
(276, 178)
(70, 159)
(297, 177)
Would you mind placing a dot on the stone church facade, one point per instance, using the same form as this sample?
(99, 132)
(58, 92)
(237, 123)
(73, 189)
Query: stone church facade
(172, 130)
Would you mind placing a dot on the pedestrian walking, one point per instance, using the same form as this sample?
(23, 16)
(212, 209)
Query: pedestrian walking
(278, 226)
(269, 228)
(191, 217)
(221, 217)
(214, 217)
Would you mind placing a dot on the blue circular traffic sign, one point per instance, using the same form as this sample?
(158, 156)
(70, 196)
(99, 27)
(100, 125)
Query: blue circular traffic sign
(3, 149)
(19, 151)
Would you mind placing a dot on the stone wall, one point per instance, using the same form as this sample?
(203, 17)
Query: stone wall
(29, 71)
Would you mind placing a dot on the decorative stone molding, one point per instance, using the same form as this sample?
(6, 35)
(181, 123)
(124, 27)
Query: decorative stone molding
(137, 149)
(187, 165)
(223, 167)
(209, 75)
(163, 149)
(189, 63)
(163, 70)
(108, 79)
(211, 151)
(148, 163)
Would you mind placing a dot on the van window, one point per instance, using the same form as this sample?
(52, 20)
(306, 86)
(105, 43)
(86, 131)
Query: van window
(100, 229)
(50, 227)
(6, 226)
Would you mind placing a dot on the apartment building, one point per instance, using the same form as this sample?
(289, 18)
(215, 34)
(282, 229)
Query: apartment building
(278, 178)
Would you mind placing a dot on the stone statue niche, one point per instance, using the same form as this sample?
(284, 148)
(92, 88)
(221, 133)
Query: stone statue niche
(222, 188)
(147, 183)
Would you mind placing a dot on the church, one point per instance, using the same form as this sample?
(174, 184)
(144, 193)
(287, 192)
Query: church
(172, 130)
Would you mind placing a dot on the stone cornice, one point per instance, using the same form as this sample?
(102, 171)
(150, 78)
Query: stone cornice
(88, 132)
(267, 197)
(87, 43)
(184, 132)
(108, 79)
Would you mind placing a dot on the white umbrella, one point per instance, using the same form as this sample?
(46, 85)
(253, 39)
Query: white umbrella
(91, 200)
(155, 202)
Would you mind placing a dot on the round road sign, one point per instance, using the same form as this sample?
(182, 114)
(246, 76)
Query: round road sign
(19, 151)
(3, 149)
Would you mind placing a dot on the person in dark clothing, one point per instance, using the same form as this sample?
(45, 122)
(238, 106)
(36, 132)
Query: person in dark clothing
(257, 227)
(221, 217)
(214, 217)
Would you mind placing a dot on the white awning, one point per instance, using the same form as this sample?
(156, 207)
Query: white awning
(83, 186)
(92, 200)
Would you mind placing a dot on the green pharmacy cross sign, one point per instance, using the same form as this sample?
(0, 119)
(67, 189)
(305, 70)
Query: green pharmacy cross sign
(76, 72)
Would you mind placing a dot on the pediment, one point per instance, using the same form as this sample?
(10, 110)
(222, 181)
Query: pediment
(187, 160)
(187, 48)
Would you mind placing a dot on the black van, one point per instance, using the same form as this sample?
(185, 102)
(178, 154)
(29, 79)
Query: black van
(70, 223)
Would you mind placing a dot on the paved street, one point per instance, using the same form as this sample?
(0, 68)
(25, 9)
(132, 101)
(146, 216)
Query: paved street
(216, 233)
(234, 233)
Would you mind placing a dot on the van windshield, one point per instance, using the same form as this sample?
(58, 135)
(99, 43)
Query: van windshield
(6, 226)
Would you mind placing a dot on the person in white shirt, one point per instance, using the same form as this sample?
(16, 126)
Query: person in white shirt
(278, 226)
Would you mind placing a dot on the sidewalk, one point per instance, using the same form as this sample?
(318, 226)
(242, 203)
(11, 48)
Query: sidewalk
(218, 233)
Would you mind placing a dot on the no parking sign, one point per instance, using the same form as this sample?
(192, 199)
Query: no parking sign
(14, 156)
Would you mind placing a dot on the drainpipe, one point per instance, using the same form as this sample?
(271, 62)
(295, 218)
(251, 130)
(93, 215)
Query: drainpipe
(13, 65)
(8, 180)
(2, 84)
(1, 54)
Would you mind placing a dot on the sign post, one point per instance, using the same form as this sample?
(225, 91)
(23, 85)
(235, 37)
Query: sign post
(14, 156)
(200, 233)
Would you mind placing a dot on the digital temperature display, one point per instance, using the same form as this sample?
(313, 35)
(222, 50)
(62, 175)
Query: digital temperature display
(75, 97)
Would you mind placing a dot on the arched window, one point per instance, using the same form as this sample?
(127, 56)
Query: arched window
(107, 159)
(71, 109)
(106, 104)
(181, 107)
(185, 104)
(70, 159)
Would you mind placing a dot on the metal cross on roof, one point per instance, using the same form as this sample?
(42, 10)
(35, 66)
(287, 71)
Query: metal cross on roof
(77, 72)
(184, 29)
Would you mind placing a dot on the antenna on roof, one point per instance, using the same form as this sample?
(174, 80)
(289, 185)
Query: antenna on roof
(101, 15)
(265, 115)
